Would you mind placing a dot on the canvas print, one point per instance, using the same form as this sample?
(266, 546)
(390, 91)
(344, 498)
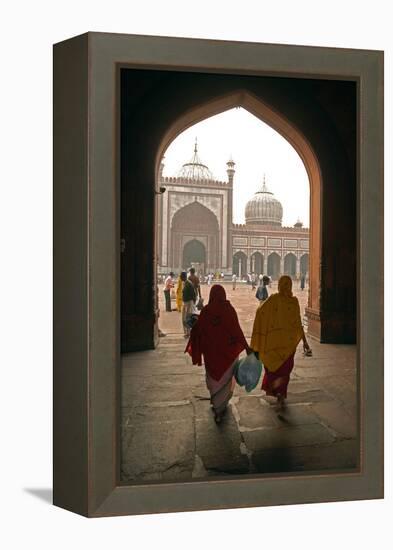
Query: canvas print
(238, 276)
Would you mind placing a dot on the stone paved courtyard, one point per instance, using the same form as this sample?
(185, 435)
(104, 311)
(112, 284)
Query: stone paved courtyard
(168, 430)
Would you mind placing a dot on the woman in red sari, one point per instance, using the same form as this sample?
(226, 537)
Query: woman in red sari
(217, 337)
(276, 334)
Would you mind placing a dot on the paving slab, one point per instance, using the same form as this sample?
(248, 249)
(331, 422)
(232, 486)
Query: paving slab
(297, 415)
(340, 456)
(253, 414)
(294, 436)
(139, 397)
(158, 443)
(219, 446)
(344, 424)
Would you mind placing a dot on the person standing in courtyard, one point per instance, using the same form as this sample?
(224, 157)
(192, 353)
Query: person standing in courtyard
(262, 293)
(302, 281)
(188, 298)
(195, 281)
(218, 338)
(234, 279)
(253, 280)
(179, 294)
(276, 334)
(168, 285)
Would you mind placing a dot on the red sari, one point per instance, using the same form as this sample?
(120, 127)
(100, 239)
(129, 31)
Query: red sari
(276, 383)
(218, 338)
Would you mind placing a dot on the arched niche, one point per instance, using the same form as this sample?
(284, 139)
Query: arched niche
(194, 254)
(239, 264)
(257, 263)
(273, 265)
(194, 221)
(290, 264)
(304, 264)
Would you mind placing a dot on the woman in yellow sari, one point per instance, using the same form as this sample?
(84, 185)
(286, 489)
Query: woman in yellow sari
(179, 294)
(276, 334)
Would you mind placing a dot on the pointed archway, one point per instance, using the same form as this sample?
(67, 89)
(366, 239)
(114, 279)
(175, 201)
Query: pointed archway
(194, 222)
(194, 252)
(273, 265)
(290, 264)
(304, 112)
(239, 266)
(257, 263)
(263, 111)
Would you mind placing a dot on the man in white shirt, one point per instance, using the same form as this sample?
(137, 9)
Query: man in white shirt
(168, 285)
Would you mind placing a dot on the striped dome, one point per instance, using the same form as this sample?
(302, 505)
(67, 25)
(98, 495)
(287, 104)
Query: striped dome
(263, 208)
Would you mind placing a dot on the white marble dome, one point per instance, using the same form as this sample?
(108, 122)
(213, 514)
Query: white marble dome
(263, 208)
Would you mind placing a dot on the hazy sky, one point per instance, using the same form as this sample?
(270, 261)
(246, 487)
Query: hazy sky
(257, 149)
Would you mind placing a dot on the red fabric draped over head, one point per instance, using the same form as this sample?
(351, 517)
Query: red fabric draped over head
(217, 335)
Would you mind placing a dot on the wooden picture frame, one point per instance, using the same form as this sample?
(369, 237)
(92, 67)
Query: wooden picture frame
(87, 271)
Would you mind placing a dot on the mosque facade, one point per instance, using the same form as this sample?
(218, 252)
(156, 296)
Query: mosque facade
(195, 228)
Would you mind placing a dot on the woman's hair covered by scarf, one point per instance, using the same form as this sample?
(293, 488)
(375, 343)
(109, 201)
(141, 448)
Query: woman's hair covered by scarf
(285, 286)
(217, 294)
(217, 335)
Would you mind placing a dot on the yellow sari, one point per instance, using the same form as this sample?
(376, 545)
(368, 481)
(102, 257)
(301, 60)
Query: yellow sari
(277, 330)
(179, 294)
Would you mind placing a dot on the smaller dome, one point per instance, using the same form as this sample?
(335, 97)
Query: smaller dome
(263, 208)
(298, 223)
(195, 169)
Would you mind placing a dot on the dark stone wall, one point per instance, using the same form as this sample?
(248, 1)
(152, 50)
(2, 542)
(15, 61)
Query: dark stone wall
(323, 111)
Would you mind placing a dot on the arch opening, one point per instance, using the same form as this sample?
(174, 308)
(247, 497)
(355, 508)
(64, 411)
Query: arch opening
(257, 262)
(273, 265)
(239, 264)
(194, 255)
(194, 223)
(263, 111)
(290, 265)
(304, 264)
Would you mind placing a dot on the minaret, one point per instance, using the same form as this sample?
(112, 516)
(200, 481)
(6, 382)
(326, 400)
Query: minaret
(230, 170)
(231, 173)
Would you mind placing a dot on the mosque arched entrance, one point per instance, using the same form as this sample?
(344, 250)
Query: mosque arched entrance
(304, 264)
(257, 263)
(273, 265)
(239, 266)
(194, 238)
(194, 254)
(290, 265)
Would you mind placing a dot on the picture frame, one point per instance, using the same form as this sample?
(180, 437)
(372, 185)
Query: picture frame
(87, 245)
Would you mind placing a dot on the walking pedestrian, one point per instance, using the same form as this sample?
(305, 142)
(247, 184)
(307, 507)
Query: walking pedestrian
(262, 293)
(179, 294)
(188, 298)
(253, 281)
(234, 279)
(195, 281)
(168, 285)
(276, 334)
(217, 337)
(302, 281)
